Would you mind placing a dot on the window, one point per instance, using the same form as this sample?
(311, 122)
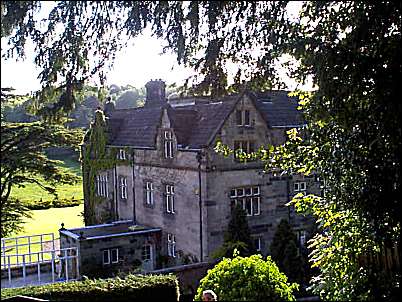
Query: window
(301, 236)
(114, 255)
(122, 154)
(102, 185)
(171, 245)
(169, 195)
(110, 256)
(243, 146)
(149, 193)
(123, 187)
(299, 186)
(243, 118)
(106, 257)
(248, 198)
(168, 144)
(257, 244)
(146, 252)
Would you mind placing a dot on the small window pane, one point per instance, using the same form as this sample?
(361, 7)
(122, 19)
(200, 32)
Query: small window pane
(256, 190)
(115, 256)
(248, 191)
(296, 186)
(248, 207)
(302, 186)
(246, 117)
(233, 193)
(239, 118)
(240, 192)
(106, 257)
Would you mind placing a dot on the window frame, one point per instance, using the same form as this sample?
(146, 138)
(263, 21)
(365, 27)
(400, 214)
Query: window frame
(168, 144)
(171, 240)
(123, 187)
(149, 192)
(169, 198)
(122, 155)
(251, 202)
(243, 117)
(108, 257)
(145, 248)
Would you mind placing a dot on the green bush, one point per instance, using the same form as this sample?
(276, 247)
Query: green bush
(132, 288)
(247, 278)
(56, 203)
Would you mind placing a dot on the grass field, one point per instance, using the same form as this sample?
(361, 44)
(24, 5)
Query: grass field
(49, 220)
(44, 222)
(32, 192)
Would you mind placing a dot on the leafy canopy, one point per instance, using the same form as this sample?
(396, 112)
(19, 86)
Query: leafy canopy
(247, 279)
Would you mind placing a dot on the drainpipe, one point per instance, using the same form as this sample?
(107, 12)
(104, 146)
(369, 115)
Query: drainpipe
(116, 194)
(199, 157)
(134, 218)
(287, 195)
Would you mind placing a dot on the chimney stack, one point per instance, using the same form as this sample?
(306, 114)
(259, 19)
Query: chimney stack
(155, 93)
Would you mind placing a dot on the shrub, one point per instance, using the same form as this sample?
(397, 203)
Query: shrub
(132, 288)
(247, 278)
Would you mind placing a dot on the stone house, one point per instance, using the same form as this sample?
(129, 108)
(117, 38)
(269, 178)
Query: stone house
(160, 170)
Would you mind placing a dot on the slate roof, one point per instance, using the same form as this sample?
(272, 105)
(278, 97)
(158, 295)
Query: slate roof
(196, 125)
(277, 108)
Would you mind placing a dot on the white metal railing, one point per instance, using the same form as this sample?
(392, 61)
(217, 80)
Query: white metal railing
(8, 245)
(63, 262)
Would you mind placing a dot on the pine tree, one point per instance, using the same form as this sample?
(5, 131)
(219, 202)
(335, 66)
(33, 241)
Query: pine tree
(237, 236)
(284, 252)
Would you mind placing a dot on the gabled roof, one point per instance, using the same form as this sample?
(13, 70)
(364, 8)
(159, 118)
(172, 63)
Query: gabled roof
(134, 127)
(277, 108)
(196, 125)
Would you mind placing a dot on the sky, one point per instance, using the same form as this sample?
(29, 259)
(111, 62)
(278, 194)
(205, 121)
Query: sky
(141, 61)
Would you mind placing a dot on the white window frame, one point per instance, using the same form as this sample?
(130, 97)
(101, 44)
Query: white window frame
(108, 257)
(169, 196)
(301, 234)
(149, 192)
(102, 185)
(122, 154)
(243, 118)
(171, 239)
(258, 246)
(123, 187)
(247, 195)
(168, 144)
(144, 252)
(117, 255)
(300, 186)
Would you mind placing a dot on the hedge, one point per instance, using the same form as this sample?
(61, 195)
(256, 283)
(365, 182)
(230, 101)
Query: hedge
(131, 288)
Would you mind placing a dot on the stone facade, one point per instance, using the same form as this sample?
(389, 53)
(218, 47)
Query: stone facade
(175, 160)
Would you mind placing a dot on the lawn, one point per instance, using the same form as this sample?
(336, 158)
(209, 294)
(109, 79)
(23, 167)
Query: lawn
(44, 222)
(32, 192)
(49, 221)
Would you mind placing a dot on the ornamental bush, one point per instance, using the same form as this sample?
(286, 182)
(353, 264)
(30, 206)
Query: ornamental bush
(130, 289)
(247, 278)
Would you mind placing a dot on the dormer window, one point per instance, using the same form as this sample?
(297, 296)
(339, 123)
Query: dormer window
(243, 118)
(122, 154)
(168, 144)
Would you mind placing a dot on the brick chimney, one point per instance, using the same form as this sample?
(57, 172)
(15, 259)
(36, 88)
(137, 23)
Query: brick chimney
(156, 95)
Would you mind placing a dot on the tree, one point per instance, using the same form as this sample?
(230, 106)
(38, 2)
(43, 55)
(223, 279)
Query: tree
(350, 50)
(284, 251)
(23, 160)
(247, 279)
(237, 236)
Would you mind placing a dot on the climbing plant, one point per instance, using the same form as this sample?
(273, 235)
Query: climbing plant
(96, 157)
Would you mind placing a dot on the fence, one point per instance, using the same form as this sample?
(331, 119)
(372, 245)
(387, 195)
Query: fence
(386, 260)
(25, 245)
(21, 265)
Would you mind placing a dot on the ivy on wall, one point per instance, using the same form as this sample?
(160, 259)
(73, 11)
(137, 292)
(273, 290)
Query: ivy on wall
(96, 157)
